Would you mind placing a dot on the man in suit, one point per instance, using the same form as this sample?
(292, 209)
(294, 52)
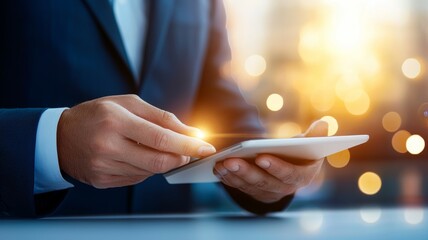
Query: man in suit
(101, 155)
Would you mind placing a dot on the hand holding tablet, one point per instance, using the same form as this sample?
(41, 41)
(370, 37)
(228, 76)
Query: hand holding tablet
(309, 148)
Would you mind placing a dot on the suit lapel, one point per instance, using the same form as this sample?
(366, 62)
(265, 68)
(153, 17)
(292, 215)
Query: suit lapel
(159, 17)
(104, 14)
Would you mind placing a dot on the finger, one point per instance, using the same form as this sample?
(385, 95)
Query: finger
(147, 159)
(318, 128)
(165, 140)
(139, 107)
(287, 172)
(235, 181)
(256, 177)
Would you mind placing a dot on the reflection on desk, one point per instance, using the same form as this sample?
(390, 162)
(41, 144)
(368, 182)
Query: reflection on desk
(365, 223)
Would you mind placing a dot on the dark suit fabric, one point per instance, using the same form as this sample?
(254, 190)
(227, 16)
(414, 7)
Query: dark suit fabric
(61, 53)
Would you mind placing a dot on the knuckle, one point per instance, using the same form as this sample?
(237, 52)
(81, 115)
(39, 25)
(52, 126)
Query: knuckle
(245, 188)
(286, 190)
(160, 163)
(289, 177)
(99, 181)
(161, 140)
(187, 149)
(261, 184)
(100, 146)
(109, 122)
(96, 166)
(133, 96)
(167, 116)
(103, 106)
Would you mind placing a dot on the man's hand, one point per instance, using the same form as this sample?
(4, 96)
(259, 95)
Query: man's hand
(121, 140)
(269, 179)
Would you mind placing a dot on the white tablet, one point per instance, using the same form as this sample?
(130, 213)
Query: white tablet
(309, 148)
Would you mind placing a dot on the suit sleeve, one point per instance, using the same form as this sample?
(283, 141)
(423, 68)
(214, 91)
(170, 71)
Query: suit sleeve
(221, 108)
(18, 128)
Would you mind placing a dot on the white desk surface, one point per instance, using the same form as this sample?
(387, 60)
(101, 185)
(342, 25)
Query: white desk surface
(396, 223)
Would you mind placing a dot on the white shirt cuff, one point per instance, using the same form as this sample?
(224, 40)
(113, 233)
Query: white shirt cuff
(47, 174)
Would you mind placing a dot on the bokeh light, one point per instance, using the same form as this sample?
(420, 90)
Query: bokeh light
(411, 68)
(411, 186)
(333, 125)
(255, 65)
(274, 102)
(357, 102)
(311, 220)
(414, 215)
(415, 144)
(322, 100)
(399, 141)
(369, 183)
(340, 159)
(370, 215)
(288, 129)
(391, 121)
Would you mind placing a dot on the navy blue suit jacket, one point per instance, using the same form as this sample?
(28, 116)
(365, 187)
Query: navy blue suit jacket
(61, 53)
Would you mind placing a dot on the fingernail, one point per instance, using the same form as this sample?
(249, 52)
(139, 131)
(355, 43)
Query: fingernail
(233, 168)
(206, 150)
(222, 171)
(217, 174)
(263, 164)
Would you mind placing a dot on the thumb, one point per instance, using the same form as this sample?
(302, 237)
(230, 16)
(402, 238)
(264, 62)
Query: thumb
(318, 128)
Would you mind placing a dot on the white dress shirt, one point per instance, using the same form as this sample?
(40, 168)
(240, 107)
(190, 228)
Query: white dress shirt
(131, 19)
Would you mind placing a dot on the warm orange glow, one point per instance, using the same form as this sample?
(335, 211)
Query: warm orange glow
(340, 159)
(369, 183)
(415, 144)
(333, 126)
(200, 134)
(391, 121)
(274, 102)
(399, 141)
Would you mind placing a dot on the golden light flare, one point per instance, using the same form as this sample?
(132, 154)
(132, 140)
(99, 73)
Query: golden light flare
(415, 144)
(255, 65)
(288, 129)
(200, 134)
(339, 159)
(399, 141)
(369, 183)
(274, 102)
(391, 121)
(411, 68)
(333, 125)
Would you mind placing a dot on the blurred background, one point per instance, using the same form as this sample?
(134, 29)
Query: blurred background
(361, 65)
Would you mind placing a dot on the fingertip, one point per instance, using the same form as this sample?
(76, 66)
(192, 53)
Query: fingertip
(206, 150)
(232, 164)
(319, 128)
(263, 163)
